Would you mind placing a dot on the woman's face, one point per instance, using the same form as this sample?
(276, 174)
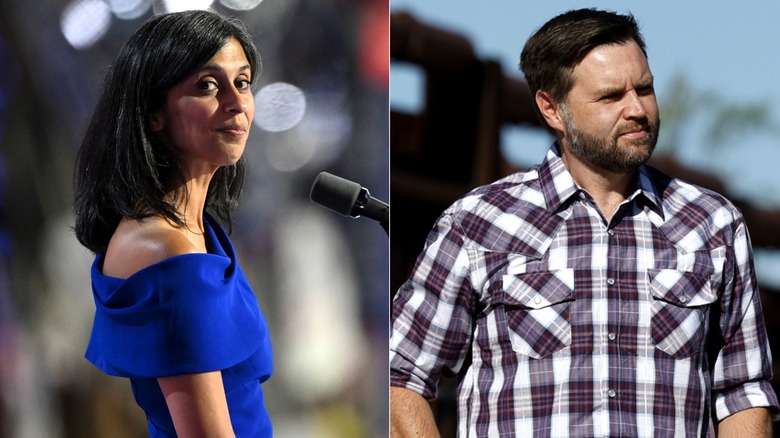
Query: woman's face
(205, 119)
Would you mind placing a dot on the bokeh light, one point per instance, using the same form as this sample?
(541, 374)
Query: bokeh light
(328, 126)
(279, 106)
(165, 6)
(129, 9)
(240, 5)
(84, 22)
(290, 153)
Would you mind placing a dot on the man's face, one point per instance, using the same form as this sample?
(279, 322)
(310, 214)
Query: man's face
(611, 116)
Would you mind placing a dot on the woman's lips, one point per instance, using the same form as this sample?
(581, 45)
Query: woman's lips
(235, 130)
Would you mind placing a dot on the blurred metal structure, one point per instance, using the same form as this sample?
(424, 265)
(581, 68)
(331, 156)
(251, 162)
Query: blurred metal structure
(453, 144)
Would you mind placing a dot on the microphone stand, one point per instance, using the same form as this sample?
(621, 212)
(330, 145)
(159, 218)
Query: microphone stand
(372, 208)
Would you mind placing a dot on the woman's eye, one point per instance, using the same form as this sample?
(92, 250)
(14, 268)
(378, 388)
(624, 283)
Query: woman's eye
(208, 86)
(243, 84)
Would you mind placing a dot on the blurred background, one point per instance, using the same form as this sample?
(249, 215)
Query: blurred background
(461, 114)
(321, 278)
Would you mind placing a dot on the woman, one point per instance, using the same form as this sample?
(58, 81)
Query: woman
(160, 160)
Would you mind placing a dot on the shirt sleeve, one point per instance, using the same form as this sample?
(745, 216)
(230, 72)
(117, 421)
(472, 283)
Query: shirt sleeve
(432, 314)
(743, 366)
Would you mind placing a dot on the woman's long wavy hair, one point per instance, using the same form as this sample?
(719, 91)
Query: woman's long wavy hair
(122, 170)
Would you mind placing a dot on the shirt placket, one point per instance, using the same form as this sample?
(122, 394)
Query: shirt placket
(620, 332)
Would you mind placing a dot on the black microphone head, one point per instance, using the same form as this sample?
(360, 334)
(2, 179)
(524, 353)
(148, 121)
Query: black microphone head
(336, 193)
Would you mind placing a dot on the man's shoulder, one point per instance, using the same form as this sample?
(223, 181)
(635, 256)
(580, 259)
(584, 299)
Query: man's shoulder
(521, 187)
(680, 193)
(692, 216)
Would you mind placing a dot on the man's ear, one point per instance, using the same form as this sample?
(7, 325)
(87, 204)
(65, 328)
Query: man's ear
(550, 110)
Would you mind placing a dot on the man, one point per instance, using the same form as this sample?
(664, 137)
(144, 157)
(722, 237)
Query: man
(591, 295)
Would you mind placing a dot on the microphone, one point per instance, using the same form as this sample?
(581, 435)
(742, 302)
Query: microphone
(349, 199)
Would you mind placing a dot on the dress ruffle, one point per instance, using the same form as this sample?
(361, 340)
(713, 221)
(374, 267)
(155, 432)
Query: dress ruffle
(187, 314)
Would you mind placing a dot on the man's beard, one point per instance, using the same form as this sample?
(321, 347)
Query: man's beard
(605, 153)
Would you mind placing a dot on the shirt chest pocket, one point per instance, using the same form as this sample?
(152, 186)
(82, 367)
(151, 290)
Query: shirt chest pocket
(533, 311)
(679, 309)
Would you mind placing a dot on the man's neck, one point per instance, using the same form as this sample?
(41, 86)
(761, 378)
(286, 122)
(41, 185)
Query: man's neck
(608, 189)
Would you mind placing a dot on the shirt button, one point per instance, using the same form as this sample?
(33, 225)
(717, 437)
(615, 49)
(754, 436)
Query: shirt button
(611, 336)
(610, 281)
(611, 393)
(537, 300)
(611, 232)
(683, 299)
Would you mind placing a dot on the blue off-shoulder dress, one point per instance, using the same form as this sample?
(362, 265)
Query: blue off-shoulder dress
(190, 313)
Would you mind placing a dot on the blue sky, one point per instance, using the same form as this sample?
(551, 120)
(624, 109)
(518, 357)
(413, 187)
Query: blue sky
(723, 47)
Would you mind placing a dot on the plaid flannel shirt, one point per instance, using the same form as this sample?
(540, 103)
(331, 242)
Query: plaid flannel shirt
(649, 325)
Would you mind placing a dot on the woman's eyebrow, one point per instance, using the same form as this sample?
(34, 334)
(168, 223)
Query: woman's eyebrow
(217, 67)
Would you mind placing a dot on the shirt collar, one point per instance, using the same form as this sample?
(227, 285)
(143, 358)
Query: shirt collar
(558, 186)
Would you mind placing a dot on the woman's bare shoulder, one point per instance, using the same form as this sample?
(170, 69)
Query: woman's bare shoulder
(136, 245)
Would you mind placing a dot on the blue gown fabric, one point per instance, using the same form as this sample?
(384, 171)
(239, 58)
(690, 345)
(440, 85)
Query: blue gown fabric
(190, 313)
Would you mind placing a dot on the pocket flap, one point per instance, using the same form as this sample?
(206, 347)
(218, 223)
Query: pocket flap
(681, 288)
(536, 290)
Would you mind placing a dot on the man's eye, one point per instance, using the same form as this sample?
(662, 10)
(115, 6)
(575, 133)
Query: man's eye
(647, 89)
(612, 97)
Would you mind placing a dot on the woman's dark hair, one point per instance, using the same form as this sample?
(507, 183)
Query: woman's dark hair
(551, 54)
(122, 170)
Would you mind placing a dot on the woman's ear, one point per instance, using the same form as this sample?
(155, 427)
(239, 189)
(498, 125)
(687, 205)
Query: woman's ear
(155, 122)
(550, 110)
